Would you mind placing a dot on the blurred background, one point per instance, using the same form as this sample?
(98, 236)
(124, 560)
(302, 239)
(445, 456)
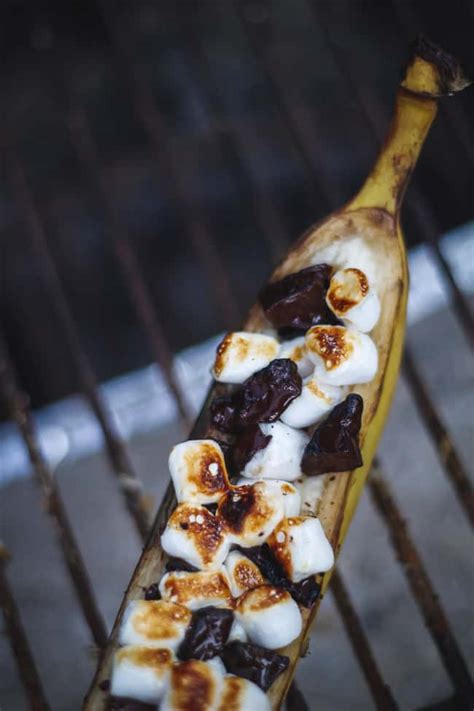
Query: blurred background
(157, 158)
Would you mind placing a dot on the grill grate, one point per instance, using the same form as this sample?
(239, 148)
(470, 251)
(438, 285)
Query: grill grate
(238, 141)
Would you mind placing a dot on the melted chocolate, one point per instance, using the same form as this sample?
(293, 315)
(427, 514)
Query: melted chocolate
(120, 703)
(234, 507)
(247, 444)
(297, 302)
(179, 564)
(152, 592)
(334, 446)
(262, 398)
(207, 633)
(260, 665)
(305, 593)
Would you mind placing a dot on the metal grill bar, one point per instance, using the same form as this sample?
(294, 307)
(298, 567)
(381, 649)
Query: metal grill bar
(116, 449)
(440, 437)
(171, 176)
(380, 691)
(19, 643)
(420, 584)
(16, 405)
(417, 202)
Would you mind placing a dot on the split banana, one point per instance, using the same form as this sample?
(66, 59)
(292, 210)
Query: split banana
(373, 213)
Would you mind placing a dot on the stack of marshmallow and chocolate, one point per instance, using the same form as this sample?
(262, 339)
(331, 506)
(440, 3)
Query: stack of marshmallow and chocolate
(243, 549)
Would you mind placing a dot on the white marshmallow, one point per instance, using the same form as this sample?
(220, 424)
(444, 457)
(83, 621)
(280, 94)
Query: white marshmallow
(141, 673)
(341, 356)
(237, 633)
(315, 401)
(250, 513)
(196, 590)
(281, 458)
(242, 573)
(311, 489)
(241, 354)
(194, 534)
(301, 547)
(269, 616)
(154, 623)
(291, 495)
(218, 665)
(239, 694)
(353, 300)
(295, 350)
(198, 471)
(193, 685)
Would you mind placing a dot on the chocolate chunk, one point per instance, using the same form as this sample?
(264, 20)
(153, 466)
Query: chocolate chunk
(152, 592)
(207, 633)
(247, 444)
(234, 510)
(262, 398)
(305, 593)
(297, 301)
(334, 446)
(119, 703)
(257, 664)
(179, 564)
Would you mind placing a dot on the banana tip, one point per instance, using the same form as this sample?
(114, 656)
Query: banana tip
(448, 76)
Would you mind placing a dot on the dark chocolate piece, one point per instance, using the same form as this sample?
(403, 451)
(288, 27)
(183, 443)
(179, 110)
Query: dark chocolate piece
(297, 301)
(179, 564)
(120, 703)
(152, 592)
(305, 593)
(247, 444)
(234, 507)
(262, 398)
(334, 446)
(257, 664)
(207, 633)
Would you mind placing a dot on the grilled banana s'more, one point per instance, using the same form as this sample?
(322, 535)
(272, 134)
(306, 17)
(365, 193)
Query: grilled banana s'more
(262, 494)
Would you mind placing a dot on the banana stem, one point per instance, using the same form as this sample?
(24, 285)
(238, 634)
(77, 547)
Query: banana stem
(430, 73)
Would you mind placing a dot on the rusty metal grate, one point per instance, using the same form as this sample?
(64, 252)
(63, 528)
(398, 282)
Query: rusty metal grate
(237, 139)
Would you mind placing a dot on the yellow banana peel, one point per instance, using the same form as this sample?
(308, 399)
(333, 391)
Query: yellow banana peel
(374, 214)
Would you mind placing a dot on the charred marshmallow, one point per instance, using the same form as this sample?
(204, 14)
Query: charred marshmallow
(291, 494)
(241, 354)
(242, 573)
(193, 685)
(194, 534)
(250, 513)
(240, 694)
(154, 623)
(295, 350)
(281, 458)
(341, 356)
(315, 401)
(301, 547)
(141, 673)
(270, 616)
(351, 299)
(198, 471)
(196, 590)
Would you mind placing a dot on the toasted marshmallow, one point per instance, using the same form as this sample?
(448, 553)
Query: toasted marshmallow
(291, 494)
(301, 547)
(154, 623)
(193, 685)
(198, 471)
(269, 616)
(141, 673)
(194, 534)
(281, 458)
(295, 350)
(250, 513)
(353, 300)
(341, 356)
(241, 354)
(196, 590)
(242, 573)
(237, 633)
(315, 401)
(239, 694)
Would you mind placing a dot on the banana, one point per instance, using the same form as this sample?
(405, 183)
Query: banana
(374, 212)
